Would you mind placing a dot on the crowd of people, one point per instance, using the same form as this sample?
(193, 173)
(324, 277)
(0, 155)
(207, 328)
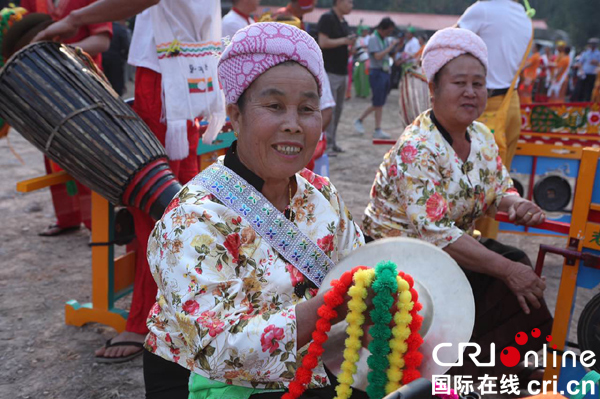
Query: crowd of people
(557, 74)
(216, 309)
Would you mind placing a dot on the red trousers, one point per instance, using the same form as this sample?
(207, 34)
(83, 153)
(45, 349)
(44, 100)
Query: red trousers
(148, 105)
(70, 210)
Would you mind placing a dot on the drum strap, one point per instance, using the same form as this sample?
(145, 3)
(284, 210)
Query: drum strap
(74, 114)
(284, 236)
(66, 119)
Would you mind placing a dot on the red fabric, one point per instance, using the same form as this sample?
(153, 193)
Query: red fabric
(65, 7)
(70, 210)
(148, 105)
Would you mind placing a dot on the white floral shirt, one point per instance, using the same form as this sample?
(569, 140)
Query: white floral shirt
(424, 190)
(226, 300)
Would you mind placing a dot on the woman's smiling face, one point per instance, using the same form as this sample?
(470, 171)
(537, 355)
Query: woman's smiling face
(459, 92)
(279, 122)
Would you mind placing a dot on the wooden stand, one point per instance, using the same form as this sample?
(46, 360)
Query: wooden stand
(111, 278)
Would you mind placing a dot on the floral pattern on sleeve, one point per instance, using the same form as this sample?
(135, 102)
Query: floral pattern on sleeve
(424, 190)
(226, 300)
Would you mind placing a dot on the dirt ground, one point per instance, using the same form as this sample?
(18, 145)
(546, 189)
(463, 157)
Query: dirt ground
(41, 357)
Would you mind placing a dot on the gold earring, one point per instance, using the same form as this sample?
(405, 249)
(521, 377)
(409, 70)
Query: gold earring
(235, 134)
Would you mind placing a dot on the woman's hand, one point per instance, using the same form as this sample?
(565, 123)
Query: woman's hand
(525, 284)
(526, 213)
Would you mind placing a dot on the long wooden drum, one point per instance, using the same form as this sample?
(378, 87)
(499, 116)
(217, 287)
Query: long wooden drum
(413, 96)
(56, 98)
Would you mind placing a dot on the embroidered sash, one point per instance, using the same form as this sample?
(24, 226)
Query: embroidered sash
(287, 239)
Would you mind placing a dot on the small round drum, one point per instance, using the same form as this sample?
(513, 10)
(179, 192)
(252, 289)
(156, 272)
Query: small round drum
(56, 98)
(444, 291)
(414, 95)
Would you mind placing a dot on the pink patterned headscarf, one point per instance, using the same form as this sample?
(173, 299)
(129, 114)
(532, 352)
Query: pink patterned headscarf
(258, 47)
(447, 44)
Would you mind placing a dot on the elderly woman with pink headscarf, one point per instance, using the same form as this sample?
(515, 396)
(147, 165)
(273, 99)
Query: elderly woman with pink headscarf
(239, 254)
(441, 176)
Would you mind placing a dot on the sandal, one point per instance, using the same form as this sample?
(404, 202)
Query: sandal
(56, 230)
(109, 344)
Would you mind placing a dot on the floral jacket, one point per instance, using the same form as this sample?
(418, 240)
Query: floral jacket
(424, 190)
(226, 300)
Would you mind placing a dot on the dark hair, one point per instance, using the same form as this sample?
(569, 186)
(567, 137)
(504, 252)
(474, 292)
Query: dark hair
(538, 46)
(386, 23)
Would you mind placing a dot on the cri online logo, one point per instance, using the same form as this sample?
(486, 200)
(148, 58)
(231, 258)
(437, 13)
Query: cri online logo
(511, 356)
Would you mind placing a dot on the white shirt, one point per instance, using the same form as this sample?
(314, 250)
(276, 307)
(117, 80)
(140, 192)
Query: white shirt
(142, 50)
(232, 22)
(506, 30)
(412, 46)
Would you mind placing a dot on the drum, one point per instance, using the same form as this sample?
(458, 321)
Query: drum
(413, 95)
(57, 99)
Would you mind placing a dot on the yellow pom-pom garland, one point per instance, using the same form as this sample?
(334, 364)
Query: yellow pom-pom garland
(355, 319)
(400, 334)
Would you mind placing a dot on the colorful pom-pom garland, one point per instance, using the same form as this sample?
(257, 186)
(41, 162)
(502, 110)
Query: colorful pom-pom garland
(8, 17)
(394, 348)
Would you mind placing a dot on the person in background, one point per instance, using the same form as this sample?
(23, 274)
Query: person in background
(506, 30)
(72, 202)
(587, 66)
(379, 75)
(412, 45)
(540, 89)
(295, 8)
(361, 62)
(114, 59)
(149, 106)
(530, 71)
(334, 37)
(560, 79)
(238, 17)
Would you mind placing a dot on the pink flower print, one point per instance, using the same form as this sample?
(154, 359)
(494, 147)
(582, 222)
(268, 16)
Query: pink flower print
(295, 275)
(172, 204)
(208, 320)
(314, 179)
(232, 243)
(190, 307)
(270, 337)
(409, 153)
(326, 243)
(393, 170)
(436, 207)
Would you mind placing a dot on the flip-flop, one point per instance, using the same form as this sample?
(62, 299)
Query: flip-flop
(122, 359)
(56, 230)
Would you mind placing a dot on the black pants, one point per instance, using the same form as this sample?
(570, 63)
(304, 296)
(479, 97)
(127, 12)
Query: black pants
(164, 379)
(584, 88)
(499, 317)
(168, 380)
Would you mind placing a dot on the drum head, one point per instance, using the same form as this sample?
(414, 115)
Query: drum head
(519, 187)
(552, 193)
(588, 328)
(448, 306)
